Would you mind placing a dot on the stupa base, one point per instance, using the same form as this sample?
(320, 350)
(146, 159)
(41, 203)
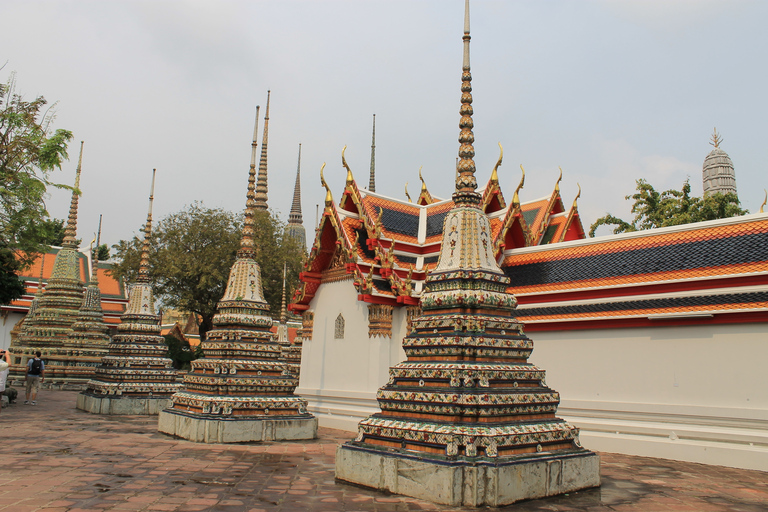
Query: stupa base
(117, 405)
(465, 483)
(201, 429)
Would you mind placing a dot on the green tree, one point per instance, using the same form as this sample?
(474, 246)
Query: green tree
(655, 209)
(193, 251)
(181, 353)
(30, 150)
(102, 252)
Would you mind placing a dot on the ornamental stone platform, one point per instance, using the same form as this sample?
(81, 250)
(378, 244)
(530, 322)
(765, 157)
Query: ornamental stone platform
(469, 483)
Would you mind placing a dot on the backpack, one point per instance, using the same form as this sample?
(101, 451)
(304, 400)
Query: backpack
(36, 368)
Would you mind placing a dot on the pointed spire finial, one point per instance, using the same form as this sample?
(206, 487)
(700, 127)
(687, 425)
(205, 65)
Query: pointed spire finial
(255, 143)
(246, 238)
(465, 179)
(39, 292)
(406, 193)
(283, 310)
(95, 256)
(294, 217)
(372, 179)
(716, 139)
(423, 183)
(261, 186)
(559, 179)
(71, 230)
(144, 263)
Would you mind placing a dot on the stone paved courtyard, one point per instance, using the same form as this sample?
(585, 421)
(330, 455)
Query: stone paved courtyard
(56, 458)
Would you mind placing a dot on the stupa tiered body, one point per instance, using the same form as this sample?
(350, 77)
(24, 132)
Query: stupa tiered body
(135, 377)
(67, 365)
(241, 389)
(466, 420)
(89, 330)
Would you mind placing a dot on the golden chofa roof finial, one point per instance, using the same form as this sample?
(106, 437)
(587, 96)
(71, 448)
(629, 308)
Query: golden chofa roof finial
(406, 193)
(576, 199)
(716, 139)
(350, 178)
(559, 179)
(765, 201)
(516, 197)
(495, 173)
(328, 196)
(466, 183)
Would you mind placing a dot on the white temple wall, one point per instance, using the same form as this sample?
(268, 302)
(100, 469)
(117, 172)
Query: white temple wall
(340, 377)
(6, 325)
(694, 393)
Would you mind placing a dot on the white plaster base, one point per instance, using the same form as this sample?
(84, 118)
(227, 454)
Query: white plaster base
(234, 430)
(468, 484)
(117, 405)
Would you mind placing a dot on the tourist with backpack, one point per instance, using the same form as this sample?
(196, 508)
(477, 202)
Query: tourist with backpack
(35, 371)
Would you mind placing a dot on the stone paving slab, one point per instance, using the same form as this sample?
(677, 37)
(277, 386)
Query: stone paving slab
(56, 458)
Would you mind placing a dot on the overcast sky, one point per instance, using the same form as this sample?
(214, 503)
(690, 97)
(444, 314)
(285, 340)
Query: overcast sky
(609, 90)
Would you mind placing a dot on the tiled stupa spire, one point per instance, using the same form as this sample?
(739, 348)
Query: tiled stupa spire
(466, 417)
(49, 328)
(89, 330)
(717, 172)
(295, 227)
(136, 376)
(372, 178)
(241, 389)
(290, 353)
(260, 201)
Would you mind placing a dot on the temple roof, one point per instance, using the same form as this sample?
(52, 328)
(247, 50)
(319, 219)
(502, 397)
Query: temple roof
(704, 272)
(387, 245)
(113, 294)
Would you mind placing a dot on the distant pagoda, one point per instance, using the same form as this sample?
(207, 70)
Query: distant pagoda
(241, 390)
(90, 331)
(48, 329)
(467, 420)
(295, 227)
(717, 173)
(135, 377)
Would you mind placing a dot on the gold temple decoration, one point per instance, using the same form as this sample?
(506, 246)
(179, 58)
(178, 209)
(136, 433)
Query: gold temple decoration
(350, 178)
(559, 179)
(406, 193)
(716, 139)
(765, 201)
(516, 197)
(328, 195)
(380, 320)
(494, 173)
(575, 200)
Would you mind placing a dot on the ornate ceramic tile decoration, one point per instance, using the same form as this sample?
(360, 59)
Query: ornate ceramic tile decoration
(70, 357)
(136, 367)
(243, 380)
(466, 397)
(380, 320)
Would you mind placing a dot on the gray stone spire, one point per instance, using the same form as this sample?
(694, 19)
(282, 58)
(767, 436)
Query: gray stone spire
(261, 183)
(295, 227)
(372, 179)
